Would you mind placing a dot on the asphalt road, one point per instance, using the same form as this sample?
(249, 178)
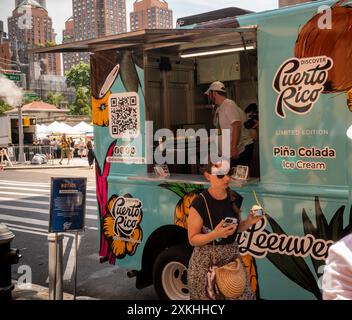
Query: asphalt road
(24, 207)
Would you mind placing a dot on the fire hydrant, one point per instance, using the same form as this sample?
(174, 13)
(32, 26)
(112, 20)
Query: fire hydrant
(8, 257)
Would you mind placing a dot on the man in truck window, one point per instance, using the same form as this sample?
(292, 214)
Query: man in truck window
(228, 115)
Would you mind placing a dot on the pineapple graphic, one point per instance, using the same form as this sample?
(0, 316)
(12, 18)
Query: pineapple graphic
(295, 268)
(187, 193)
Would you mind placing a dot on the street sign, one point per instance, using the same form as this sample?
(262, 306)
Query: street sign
(13, 76)
(30, 95)
(67, 204)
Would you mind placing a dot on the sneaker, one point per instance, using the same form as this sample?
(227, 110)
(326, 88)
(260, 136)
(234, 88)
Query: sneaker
(60, 162)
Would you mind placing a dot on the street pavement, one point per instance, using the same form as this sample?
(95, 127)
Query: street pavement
(33, 291)
(24, 207)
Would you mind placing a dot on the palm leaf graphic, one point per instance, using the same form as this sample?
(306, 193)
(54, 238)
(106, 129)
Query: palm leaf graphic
(308, 226)
(293, 267)
(322, 224)
(348, 229)
(181, 189)
(336, 225)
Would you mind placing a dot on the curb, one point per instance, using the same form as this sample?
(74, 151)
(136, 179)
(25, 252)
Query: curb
(36, 292)
(45, 167)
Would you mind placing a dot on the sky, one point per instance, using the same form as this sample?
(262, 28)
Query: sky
(61, 10)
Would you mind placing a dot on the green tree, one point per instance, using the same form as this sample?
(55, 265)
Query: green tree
(4, 107)
(30, 97)
(78, 76)
(81, 106)
(55, 98)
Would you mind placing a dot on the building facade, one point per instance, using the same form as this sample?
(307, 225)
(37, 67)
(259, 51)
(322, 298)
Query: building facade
(284, 3)
(93, 19)
(98, 18)
(36, 34)
(70, 58)
(151, 14)
(41, 2)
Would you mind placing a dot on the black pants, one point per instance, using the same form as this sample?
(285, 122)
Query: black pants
(90, 157)
(245, 157)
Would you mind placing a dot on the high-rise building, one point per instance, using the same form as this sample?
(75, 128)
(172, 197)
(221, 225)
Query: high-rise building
(284, 3)
(39, 32)
(41, 2)
(69, 58)
(97, 18)
(5, 52)
(150, 14)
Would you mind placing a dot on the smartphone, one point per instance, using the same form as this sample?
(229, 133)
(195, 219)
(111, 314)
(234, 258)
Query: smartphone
(228, 221)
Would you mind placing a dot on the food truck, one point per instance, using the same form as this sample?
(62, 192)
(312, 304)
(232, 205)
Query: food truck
(296, 64)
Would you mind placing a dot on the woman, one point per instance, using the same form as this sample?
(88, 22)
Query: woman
(90, 154)
(65, 149)
(201, 235)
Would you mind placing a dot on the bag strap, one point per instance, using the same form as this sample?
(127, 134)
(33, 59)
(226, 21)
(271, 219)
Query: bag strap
(211, 224)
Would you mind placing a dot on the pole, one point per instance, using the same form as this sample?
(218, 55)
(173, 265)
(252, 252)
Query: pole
(55, 266)
(75, 267)
(20, 136)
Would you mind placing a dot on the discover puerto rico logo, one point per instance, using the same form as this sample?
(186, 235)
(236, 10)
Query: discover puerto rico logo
(299, 83)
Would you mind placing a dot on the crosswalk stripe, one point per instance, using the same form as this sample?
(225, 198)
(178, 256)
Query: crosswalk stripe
(38, 195)
(36, 184)
(36, 202)
(38, 222)
(32, 189)
(25, 227)
(28, 231)
(71, 262)
(37, 210)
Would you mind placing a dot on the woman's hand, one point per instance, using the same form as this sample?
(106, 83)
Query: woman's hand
(223, 232)
(253, 218)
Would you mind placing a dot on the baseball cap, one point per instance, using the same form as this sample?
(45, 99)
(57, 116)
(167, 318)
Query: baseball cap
(216, 86)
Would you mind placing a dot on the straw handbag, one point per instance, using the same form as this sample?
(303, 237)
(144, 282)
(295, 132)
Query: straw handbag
(228, 280)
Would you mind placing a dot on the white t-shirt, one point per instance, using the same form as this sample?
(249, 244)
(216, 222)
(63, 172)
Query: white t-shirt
(337, 277)
(228, 113)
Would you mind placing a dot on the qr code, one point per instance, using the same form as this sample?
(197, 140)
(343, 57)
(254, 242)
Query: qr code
(124, 115)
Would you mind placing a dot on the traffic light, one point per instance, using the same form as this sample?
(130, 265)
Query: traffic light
(26, 121)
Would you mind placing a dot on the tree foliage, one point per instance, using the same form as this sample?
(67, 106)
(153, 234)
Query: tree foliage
(55, 98)
(30, 98)
(81, 105)
(78, 76)
(4, 107)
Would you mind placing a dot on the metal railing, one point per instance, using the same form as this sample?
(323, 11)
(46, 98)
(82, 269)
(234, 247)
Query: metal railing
(29, 152)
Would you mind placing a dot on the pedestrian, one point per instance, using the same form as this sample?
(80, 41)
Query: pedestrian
(228, 115)
(337, 277)
(90, 154)
(221, 203)
(65, 149)
(54, 146)
(81, 146)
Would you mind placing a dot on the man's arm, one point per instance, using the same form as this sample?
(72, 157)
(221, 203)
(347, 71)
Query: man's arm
(236, 133)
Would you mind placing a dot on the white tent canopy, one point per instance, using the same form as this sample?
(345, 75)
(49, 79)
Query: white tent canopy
(57, 127)
(83, 127)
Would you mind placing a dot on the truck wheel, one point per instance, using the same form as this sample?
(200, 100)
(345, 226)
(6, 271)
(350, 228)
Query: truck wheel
(170, 273)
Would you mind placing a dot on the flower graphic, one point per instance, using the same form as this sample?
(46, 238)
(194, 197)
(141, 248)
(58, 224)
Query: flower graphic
(100, 110)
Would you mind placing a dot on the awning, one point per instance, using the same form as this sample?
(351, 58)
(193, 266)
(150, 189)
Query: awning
(150, 39)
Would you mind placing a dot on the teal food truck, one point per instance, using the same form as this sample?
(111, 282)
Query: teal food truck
(296, 63)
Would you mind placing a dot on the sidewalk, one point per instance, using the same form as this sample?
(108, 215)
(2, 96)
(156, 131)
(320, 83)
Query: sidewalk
(74, 163)
(36, 292)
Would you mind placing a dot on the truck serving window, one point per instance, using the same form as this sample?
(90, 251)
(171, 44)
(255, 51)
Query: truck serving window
(177, 78)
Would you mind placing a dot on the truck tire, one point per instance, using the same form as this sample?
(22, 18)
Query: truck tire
(170, 273)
